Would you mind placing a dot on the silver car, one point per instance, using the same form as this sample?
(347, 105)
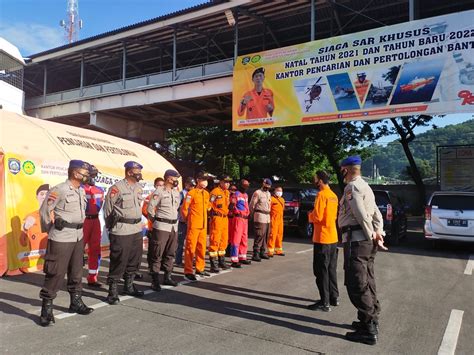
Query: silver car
(449, 215)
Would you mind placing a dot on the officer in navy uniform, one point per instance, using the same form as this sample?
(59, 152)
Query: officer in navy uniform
(361, 224)
(66, 202)
(123, 216)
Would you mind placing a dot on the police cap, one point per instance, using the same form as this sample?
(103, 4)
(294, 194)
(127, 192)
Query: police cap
(78, 164)
(352, 160)
(172, 173)
(132, 165)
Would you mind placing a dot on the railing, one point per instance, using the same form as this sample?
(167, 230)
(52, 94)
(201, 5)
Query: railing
(148, 81)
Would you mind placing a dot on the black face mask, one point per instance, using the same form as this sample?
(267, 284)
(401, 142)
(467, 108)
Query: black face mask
(264, 188)
(137, 177)
(91, 180)
(344, 172)
(175, 183)
(242, 189)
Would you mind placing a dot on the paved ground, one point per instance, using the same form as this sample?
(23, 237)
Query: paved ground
(259, 310)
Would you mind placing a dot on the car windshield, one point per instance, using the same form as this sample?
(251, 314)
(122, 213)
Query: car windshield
(381, 198)
(289, 195)
(309, 194)
(453, 202)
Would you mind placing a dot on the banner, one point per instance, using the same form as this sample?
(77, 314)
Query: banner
(456, 168)
(419, 67)
(34, 156)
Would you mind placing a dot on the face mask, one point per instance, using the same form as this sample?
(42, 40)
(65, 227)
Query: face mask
(91, 180)
(175, 183)
(344, 172)
(279, 193)
(83, 178)
(137, 177)
(242, 189)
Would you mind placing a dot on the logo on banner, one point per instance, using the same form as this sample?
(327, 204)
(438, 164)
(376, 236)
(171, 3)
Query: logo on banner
(29, 167)
(467, 96)
(14, 165)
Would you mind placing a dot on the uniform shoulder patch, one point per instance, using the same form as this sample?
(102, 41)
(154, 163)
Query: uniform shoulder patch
(155, 197)
(52, 196)
(114, 191)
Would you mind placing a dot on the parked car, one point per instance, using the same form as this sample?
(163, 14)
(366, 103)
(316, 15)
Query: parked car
(298, 202)
(394, 217)
(450, 216)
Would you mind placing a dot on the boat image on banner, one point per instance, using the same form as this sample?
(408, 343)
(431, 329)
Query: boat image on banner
(343, 92)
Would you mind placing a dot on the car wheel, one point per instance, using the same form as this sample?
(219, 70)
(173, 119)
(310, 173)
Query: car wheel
(306, 230)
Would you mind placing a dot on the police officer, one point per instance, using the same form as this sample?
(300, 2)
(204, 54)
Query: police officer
(122, 213)
(362, 230)
(260, 206)
(163, 211)
(67, 203)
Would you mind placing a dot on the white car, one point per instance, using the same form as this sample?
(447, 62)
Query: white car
(449, 215)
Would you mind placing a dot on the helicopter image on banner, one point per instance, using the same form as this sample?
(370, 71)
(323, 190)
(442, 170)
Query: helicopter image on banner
(314, 92)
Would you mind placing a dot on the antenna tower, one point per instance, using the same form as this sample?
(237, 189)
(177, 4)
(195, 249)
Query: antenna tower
(73, 23)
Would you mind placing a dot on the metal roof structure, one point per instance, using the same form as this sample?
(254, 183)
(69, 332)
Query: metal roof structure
(202, 34)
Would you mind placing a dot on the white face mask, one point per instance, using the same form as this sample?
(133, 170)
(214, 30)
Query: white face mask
(279, 193)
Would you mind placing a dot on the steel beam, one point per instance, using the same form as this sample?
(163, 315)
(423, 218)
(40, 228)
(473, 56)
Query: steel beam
(124, 66)
(236, 33)
(81, 87)
(173, 74)
(45, 81)
(313, 20)
(413, 10)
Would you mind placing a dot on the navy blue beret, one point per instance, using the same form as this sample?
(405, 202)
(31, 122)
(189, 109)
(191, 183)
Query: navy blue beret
(353, 160)
(78, 164)
(172, 173)
(267, 181)
(132, 165)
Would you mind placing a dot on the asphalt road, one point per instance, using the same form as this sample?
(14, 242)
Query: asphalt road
(259, 309)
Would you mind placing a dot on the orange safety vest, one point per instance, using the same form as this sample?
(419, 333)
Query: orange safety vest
(257, 106)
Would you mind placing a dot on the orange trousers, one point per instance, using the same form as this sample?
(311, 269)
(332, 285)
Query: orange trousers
(219, 237)
(195, 248)
(275, 240)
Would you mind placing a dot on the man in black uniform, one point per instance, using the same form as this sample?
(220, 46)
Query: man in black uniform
(67, 203)
(123, 215)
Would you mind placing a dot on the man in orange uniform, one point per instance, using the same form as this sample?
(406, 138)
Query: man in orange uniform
(257, 103)
(324, 218)
(275, 240)
(32, 237)
(194, 211)
(361, 85)
(220, 199)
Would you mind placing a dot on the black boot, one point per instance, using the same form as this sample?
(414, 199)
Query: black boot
(47, 317)
(155, 282)
(169, 280)
(222, 264)
(264, 256)
(112, 297)
(214, 267)
(129, 287)
(256, 257)
(78, 306)
(362, 336)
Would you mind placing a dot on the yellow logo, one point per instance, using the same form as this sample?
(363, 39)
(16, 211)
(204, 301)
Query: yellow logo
(29, 167)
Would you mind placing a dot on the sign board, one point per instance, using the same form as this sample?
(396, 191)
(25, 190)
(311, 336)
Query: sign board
(418, 67)
(456, 168)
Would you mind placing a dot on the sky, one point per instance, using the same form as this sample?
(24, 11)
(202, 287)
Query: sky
(33, 26)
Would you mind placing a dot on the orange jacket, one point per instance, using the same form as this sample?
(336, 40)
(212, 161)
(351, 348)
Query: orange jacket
(144, 211)
(277, 208)
(324, 217)
(220, 200)
(195, 207)
(257, 106)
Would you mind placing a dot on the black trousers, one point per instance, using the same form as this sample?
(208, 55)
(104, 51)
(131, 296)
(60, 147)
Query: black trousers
(62, 258)
(125, 255)
(261, 237)
(325, 270)
(162, 246)
(360, 279)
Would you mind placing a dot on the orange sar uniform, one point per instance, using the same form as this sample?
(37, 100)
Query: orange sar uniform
(36, 241)
(361, 88)
(275, 241)
(257, 106)
(219, 237)
(194, 211)
(324, 218)
(145, 212)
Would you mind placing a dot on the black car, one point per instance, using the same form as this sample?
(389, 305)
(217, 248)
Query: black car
(298, 201)
(394, 217)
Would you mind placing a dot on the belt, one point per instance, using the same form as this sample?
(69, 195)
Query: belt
(262, 212)
(92, 216)
(73, 225)
(241, 216)
(165, 220)
(130, 220)
(215, 213)
(356, 227)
